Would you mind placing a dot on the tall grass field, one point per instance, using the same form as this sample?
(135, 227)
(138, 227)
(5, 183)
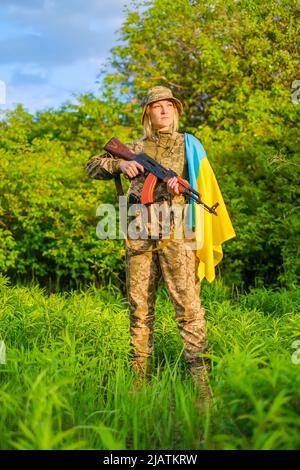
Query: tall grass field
(66, 382)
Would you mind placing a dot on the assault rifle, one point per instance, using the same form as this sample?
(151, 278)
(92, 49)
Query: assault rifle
(154, 171)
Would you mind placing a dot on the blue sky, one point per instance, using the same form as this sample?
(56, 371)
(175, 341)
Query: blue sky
(53, 49)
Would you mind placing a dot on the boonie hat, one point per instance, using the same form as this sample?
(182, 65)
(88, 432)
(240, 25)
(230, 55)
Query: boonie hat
(158, 93)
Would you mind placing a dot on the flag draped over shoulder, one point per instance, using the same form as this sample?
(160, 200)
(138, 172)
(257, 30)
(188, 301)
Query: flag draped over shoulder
(212, 230)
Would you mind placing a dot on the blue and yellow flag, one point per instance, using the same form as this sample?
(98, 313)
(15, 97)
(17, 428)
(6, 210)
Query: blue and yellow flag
(213, 230)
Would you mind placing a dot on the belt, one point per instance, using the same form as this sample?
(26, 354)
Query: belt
(134, 199)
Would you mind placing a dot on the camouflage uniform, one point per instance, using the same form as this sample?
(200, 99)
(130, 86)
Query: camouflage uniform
(177, 264)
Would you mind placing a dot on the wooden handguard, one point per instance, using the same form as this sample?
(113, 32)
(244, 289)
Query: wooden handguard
(182, 184)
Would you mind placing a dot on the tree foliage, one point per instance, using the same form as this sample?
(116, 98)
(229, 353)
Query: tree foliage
(232, 63)
(48, 206)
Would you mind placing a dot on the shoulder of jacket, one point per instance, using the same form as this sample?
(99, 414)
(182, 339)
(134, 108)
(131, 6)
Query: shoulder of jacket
(181, 135)
(137, 145)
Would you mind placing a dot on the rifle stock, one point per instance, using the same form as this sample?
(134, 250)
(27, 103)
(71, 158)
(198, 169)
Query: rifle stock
(118, 149)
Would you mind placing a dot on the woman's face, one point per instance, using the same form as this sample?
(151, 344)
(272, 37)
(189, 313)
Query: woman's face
(161, 114)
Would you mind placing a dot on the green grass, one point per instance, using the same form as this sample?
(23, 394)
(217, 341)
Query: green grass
(67, 383)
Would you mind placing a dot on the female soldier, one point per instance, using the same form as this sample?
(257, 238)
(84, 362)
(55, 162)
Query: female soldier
(147, 259)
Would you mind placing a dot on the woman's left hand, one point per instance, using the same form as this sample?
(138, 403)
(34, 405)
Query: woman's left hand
(173, 186)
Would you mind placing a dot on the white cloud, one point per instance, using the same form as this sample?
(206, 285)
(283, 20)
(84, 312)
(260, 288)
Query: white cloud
(27, 77)
(60, 32)
(51, 48)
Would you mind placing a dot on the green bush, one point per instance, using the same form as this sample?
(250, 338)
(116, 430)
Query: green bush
(48, 211)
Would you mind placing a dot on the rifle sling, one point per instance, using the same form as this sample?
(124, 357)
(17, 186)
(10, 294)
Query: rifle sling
(118, 184)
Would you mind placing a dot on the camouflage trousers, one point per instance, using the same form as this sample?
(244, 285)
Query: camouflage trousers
(178, 266)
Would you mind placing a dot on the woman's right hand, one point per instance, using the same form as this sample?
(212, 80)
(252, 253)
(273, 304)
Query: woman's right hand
(131, 168)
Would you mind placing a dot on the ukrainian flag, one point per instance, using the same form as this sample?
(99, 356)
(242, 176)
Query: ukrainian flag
(210, 229)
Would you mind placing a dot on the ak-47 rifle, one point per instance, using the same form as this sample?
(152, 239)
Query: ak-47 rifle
(154, 171)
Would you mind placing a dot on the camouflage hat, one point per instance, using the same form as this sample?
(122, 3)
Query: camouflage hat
(158, 93)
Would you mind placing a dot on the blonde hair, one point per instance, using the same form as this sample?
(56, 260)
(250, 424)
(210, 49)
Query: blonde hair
(147, 124)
